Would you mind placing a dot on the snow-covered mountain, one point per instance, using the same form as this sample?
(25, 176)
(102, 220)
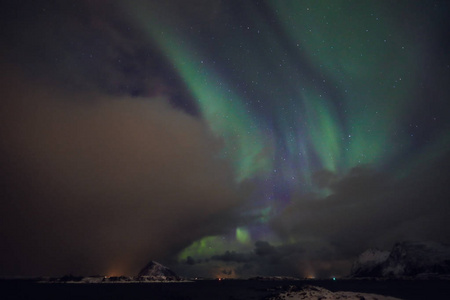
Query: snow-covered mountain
(369, 263)
(155, 270)
(406, 259)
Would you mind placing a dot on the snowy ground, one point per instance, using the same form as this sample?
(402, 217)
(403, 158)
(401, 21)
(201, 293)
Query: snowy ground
(310, 292)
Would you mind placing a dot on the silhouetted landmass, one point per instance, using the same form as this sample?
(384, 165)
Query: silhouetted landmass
(406, 259)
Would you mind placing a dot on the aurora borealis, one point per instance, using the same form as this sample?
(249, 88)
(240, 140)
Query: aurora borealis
(231, 138)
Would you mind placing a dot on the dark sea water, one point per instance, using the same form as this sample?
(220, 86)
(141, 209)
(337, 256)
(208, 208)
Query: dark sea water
(211, 289)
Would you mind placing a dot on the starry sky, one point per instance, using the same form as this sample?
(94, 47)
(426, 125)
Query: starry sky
(222, 138)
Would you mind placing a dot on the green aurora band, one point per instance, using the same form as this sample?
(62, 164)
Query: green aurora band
(284, 118)
(221, 107)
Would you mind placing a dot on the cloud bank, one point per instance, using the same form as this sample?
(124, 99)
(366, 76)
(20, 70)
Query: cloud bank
(321, 234)
(95, 184)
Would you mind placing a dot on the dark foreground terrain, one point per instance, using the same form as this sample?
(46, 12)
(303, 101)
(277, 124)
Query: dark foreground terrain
(212, 289)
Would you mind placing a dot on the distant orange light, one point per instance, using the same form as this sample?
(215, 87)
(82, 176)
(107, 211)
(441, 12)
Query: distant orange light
(114, 272)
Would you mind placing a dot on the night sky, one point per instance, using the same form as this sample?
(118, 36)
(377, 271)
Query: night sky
(222, 138)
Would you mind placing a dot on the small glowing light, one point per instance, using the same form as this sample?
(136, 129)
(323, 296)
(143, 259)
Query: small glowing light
(334, 278)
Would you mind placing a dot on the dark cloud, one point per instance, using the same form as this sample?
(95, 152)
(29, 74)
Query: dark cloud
(89, 46)
(369, 208)
(263, 248)
(95, 184)
(227, 272)
(363, 209)
(232, 256)
(190, 260)
(265, 259)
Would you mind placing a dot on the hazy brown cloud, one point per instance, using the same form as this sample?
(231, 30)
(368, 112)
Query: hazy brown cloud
(92, 184)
